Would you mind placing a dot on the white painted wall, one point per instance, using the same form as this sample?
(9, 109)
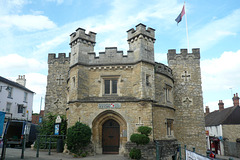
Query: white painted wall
(215, 131)
(17, 98)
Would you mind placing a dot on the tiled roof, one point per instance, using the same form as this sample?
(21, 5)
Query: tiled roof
(229, 115)
(15, 84)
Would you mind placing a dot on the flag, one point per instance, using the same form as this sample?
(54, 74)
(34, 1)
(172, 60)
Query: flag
(179, 18)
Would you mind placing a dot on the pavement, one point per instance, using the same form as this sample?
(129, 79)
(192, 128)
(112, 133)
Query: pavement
(29, 154)
(226, 157)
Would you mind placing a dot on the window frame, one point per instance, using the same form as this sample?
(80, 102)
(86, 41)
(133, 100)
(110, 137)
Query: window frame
(113, 85)
(8, 107)
(25, 97)
(10, 91)
(168, 93)
(20, 108)
(169, 126)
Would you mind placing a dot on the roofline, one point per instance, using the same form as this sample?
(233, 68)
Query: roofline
(15, 84)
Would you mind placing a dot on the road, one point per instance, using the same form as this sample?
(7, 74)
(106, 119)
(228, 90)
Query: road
(15, 154)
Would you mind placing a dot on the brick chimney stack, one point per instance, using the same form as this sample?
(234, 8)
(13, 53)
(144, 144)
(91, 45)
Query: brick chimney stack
(207, 110)
(221, 105)
(235, 100)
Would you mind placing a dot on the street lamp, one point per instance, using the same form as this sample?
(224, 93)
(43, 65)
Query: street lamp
(7, 88)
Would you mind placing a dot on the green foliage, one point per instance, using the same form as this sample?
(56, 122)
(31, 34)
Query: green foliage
(145, 130)
(47, 125)
(139, 139)
(47, 128)
(78, 137)
(135, 153)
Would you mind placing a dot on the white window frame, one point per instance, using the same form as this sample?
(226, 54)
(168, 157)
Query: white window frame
(8, 107)
(25, 97)
(10, 91)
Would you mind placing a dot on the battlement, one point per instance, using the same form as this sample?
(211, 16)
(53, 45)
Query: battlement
(141, 31)
(111, 56)
(61, 58)
(183, 54)
(163, 69)
(81, 36)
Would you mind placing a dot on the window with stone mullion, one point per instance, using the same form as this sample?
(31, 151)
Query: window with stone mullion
(107, 86)
(110, 86)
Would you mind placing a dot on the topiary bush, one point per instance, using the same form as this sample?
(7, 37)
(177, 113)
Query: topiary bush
(139, 139)
(145, 130)
(135, 154)
(78, 137)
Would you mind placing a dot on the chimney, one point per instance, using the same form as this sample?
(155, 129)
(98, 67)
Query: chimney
(21, 80)
(207, 110)
(221, 105)
(235, 100)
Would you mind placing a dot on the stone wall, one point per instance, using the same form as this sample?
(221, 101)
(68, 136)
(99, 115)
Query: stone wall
(231, 149)
(188, 101)
(167, 149)
(231, 132)
(160, 115)
(56, 91)
(130, 116)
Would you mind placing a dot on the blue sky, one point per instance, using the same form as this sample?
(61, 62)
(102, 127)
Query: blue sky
(30, 29)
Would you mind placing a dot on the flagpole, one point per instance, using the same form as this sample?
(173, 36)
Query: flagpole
(186, 27)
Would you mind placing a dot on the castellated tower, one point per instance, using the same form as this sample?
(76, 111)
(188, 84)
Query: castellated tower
(81, 44)
(56, 91)
(141, 41)
(115, 93)
(188, 101)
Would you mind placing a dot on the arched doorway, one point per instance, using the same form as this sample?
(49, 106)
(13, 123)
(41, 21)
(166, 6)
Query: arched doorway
(103, 119)
(110, 137)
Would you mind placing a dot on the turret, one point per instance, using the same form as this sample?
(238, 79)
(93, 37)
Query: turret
(81, 44)
(141, 42)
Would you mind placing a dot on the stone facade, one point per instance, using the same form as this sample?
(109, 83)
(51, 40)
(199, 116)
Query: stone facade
(188, 102)
(132, 90)
(56, 91)
(231, 132)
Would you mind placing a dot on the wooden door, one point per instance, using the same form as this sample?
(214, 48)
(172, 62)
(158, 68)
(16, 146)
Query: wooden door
(110, 137)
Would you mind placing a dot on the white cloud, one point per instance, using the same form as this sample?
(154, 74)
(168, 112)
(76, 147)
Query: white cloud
(26, 22)
(216, 30)
(221, 73)
(12, 6)
(16, 63)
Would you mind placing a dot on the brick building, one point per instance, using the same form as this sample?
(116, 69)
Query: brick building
(115, 93)
(223, 127)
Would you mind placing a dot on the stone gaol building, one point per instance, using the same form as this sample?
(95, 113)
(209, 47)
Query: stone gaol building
(115, 93)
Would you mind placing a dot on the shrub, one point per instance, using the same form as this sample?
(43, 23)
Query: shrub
(145, 130)
(78, 137)
(135, 153)
(139, 139)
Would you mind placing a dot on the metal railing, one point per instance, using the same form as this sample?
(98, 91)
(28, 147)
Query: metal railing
(49, 140)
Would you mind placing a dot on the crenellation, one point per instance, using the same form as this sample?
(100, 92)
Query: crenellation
(110, 56)
(167, 98)
(163, 69)
(61, 58)
(141, 32)
(172, 55)
(81, 37)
